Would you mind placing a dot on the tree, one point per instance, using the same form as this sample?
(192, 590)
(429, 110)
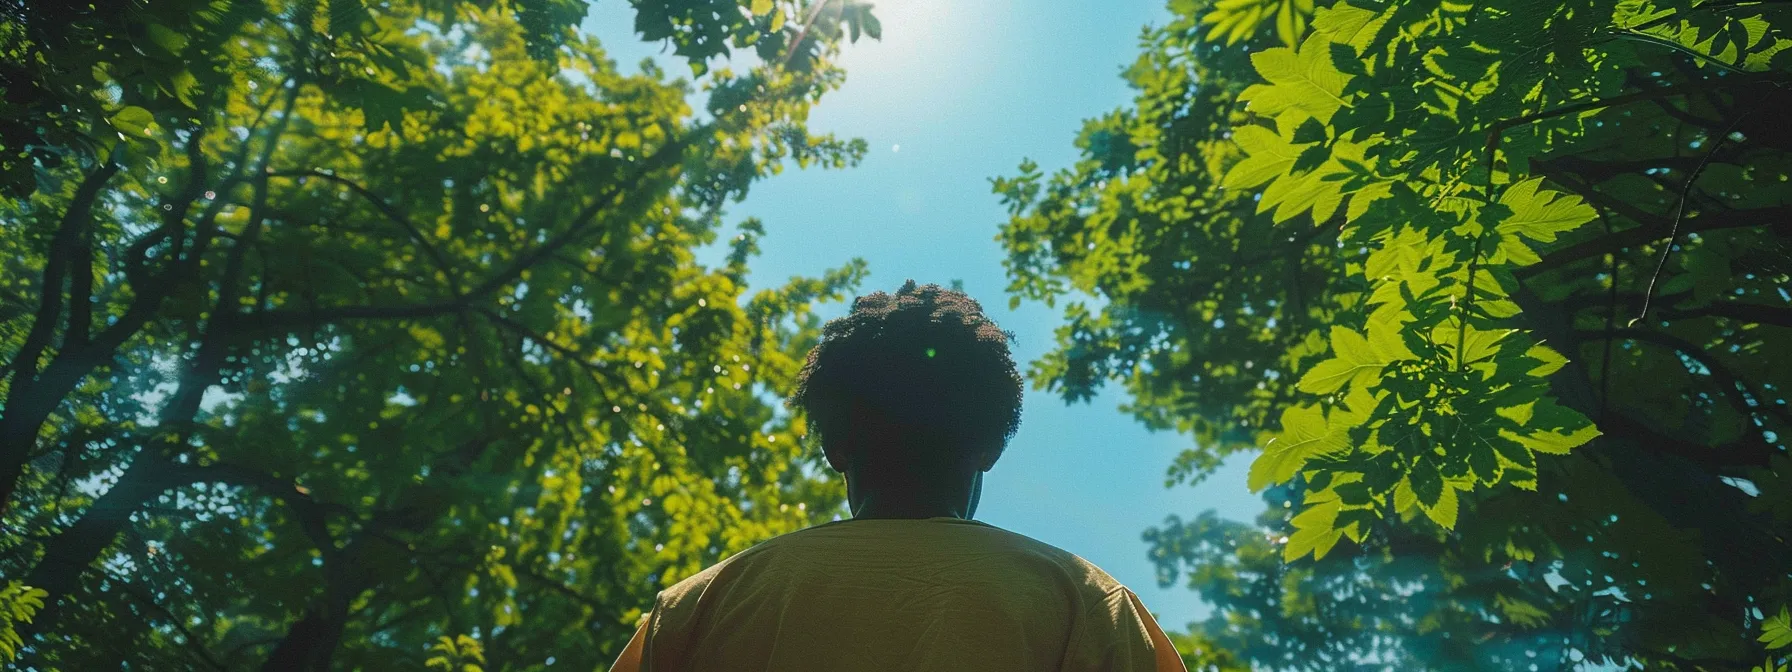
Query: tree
(386, 331)
(1495, 288)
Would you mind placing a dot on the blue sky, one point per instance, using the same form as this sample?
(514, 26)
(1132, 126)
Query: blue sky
(957, 92)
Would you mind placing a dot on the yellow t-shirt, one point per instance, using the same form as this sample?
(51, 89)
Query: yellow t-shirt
(900, 594)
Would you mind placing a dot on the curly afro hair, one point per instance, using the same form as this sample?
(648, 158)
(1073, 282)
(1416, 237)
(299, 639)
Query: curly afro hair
(922, 376)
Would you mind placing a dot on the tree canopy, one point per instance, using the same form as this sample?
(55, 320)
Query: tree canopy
(1499, 290)
(344, 334)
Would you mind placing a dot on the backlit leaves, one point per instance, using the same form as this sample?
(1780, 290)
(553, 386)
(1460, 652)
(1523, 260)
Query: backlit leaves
(1356, 360)
(1541, 214)
(1305, 433)
(407, 310)
(18, 603)
(1776, 632)
(1302, 79)
(1453, 158)
(1234, 20)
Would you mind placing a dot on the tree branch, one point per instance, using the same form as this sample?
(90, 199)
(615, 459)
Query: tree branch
(70, 553)
(1737, 389)
(392, 214)
(1720, 458)
(273, 321)
(63, 247)
(1754, 313)
(1680, 211)
(193, 642)
(26, 413)
(1653, 227)
(1494, 131)
(1741, 311)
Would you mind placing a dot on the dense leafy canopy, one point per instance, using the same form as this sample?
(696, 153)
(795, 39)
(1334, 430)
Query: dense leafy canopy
(1500, 291)
(341, 333)
(369, 335)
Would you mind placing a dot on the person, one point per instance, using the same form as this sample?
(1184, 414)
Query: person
(912, 397)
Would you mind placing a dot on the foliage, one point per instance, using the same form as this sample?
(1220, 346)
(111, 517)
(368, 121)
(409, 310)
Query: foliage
(791, 32)
(458, 654)
(1495, 288)
(388, 330)
(18, 603)
(1776, 632)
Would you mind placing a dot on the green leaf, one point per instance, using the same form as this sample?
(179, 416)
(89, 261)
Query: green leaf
(1549, 427)
(1426, 482)
(381, 105)
(1346, 60)
(1356, 360)
(1541, 214)
(1552, 361)
(1365, 197)
(1404, 497)
(346, 17)
(1521, 612)
(1313, 531)
(1477, 344)
(1305, 433)
(183, 85)
(1345, 24)
(1776, 632)
(168, 39)
(1444, 512)
(1268, 156)
(1303, 79)
(134, 121)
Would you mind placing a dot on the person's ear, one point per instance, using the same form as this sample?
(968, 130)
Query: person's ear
(988, 460)
(835, 455)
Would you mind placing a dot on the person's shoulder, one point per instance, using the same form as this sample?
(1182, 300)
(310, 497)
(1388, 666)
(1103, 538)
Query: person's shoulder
(694, 584)
(1092, 578)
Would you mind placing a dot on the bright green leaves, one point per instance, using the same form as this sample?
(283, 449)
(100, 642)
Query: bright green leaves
(1520, 611)
(1729, 41)
(134, 122)
(1302, 79)
(797, 35)
(382, 106)
(1462, 447)
(18, 603)
(1303, 171)
(1268, 156)
(1349, 26)
(456, 654)
(1431, 412)
(1539, 214)
(1356, 359)
(1443, 509)
(1305, 433)
(1315, 528)
(1234, 20)
(167, 39)
(537, 372)
(1776, 631)
(1461, 401)
(1548, 427)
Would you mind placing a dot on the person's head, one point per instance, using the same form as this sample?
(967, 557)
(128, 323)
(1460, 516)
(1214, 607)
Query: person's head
(912, 396)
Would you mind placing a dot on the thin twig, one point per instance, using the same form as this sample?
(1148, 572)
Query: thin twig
(1493, 147)
(1611, 318)
(800, 34)
(1679, 210)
